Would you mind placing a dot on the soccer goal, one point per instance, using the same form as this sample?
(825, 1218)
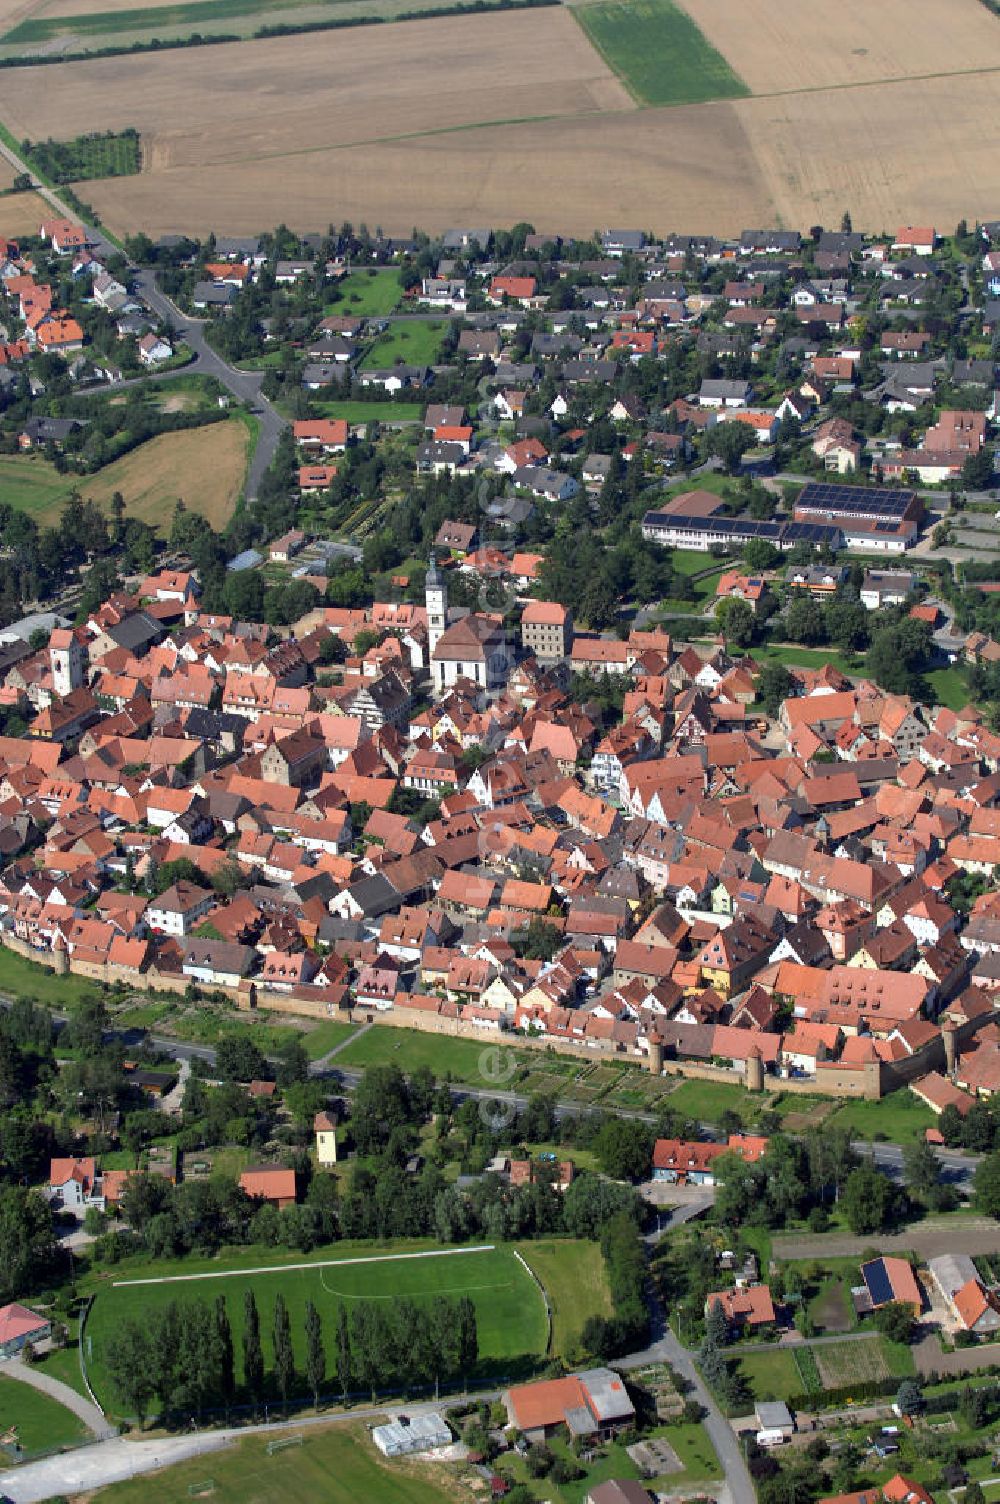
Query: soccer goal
(201, 1490)
(282, 1443)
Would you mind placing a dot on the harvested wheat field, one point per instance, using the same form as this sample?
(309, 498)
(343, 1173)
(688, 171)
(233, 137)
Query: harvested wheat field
(499, 117)
(13, 12)
(684, 167)
(204, 467)
(856, 149)
(21, 214)
(6, 173)
(814, 44)
(250, 101)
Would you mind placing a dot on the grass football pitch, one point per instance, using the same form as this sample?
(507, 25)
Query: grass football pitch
(509, 1306)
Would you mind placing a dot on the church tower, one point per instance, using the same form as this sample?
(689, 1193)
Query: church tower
(436, 596)
(68, 662)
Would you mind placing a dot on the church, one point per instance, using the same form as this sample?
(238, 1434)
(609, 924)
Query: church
(473, 647)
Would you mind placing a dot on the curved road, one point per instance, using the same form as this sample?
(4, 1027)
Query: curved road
(244, 385)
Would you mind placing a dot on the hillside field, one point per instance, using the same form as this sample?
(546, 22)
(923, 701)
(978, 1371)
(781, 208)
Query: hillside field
(509, 1305)
(204, 467)
(711, 114)
(21, 213)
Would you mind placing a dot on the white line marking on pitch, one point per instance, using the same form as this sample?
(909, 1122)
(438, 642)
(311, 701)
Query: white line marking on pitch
(381, 1258)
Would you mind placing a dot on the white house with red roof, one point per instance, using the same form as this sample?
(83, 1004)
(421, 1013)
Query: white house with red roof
(19, 1326)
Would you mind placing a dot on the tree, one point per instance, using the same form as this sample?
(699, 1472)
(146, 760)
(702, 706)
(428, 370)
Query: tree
(986, 1185)
(127, 1358)
(253, 1353)
(848, 625)
(284, 1357)
(909, 1398)
(624, 1148)
(870, 1200)
(293, 1063)
(541, 941)
(183, 870)
(921, 1169)
(977, 470)
(237, 1058)
(343, 1352)
(774, 685)
(227, 1367)
(896, 1321)
(468, 1335)
(804, 619)
(736, 621)
(716, 1325)
(759, 555)
(27, 1241)
(730, 442)
(315, 1352)
(228, 877)
(898, 655)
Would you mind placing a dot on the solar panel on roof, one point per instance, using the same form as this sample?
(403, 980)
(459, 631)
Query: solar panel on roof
(829, 497)
(876, 1277)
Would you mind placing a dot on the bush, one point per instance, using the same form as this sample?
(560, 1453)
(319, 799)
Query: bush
(540, 1460)
(564, 1470)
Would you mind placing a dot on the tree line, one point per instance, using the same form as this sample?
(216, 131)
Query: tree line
(182, 1358)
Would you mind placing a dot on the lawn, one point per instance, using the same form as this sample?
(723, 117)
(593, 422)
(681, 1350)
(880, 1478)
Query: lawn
(413, 343)
(706, 1101)
(41, 1422)
(337, 1464)
(900, 1118)
(509, 1305)
(771, 1375)
(949, 687)
(205, 467)
(26, 979)
(689, 1441)
(369, 293)
(462, 1059)
(63, 1363)
(575, 1281)
(29, 482)
(372, 412)
(830, 1309)
(658, 52)
(807, 657)
(325, 1037)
